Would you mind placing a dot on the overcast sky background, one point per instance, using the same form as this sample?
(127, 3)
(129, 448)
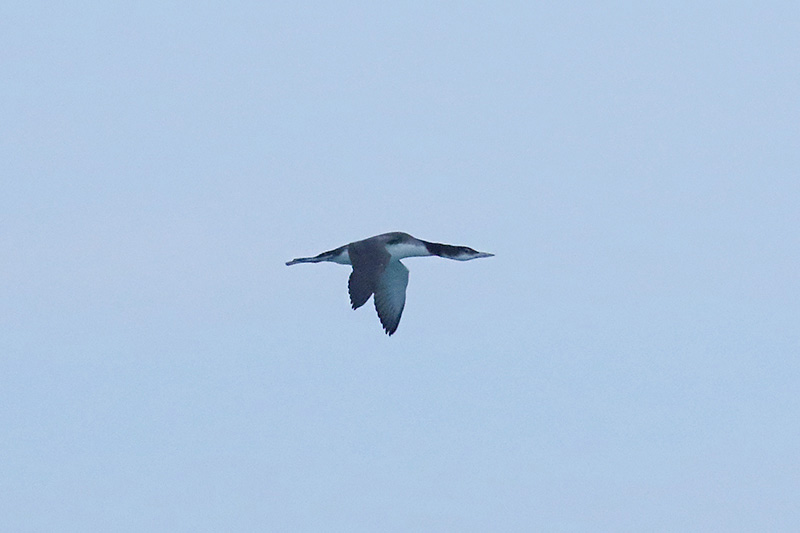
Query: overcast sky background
(627, 362)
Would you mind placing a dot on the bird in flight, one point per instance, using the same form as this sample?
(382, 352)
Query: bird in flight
(377, 269)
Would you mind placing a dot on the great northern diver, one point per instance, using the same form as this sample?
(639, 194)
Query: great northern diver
(377, 269)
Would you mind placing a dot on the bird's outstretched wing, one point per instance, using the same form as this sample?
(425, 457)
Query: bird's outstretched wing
(390, 295)
(369, 260)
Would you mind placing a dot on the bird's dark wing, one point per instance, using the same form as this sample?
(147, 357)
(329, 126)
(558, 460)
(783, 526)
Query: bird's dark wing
(369, 259)
(390, 295)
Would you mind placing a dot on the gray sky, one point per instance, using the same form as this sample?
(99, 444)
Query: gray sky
(627, 362)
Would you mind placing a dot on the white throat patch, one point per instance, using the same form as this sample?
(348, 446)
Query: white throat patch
(404, 249)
